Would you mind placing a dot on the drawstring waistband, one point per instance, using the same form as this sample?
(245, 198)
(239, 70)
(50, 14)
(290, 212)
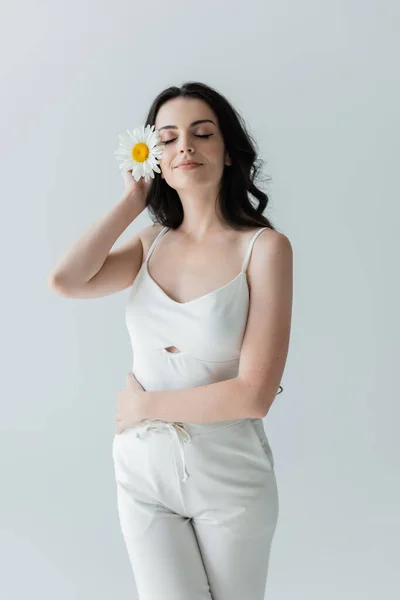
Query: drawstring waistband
(176, 428)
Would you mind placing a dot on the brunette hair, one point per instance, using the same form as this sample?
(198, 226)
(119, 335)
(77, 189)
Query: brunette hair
(238, 180)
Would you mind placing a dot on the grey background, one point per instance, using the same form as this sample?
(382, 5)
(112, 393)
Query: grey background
(318, 85)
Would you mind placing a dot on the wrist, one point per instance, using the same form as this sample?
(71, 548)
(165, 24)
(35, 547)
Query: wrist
(144, 399)
(133, 198)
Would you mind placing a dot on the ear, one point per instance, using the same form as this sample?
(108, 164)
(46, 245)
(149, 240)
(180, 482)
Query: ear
(228, 160)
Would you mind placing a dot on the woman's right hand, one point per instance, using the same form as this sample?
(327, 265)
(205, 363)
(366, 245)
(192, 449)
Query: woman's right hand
(136, 188)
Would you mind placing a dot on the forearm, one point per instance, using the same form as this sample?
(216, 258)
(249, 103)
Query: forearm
(85, 257)
(221, 401)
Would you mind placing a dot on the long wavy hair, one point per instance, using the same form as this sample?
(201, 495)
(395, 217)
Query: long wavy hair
(238, 180)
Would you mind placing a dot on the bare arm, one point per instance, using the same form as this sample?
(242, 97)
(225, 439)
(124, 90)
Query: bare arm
(88, 268)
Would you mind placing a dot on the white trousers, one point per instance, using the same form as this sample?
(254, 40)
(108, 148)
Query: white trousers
(198, 507)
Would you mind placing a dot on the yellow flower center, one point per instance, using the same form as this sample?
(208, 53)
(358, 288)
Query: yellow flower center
(140, 152)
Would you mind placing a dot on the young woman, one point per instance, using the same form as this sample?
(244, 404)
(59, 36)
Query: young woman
(209, 315)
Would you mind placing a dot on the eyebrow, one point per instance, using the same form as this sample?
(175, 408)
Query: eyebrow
(191, 124)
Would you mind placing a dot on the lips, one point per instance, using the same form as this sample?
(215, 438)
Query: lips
(191, 167)
(187, 163)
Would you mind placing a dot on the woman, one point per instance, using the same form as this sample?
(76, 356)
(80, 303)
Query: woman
(196, 488)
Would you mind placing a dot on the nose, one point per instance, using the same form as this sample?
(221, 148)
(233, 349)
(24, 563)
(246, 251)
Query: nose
(185, 145)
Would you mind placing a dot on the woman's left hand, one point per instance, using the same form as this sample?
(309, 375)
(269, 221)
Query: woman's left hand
(130, 404)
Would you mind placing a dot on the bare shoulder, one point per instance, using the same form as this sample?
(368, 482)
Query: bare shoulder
(272, 242)
(272, 256)
(148, 235)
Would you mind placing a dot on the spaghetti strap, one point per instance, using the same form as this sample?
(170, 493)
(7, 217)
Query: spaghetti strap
(154, 243)
(250, 247)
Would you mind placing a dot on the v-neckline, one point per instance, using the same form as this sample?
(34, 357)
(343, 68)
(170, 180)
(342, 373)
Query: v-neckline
(238, 276)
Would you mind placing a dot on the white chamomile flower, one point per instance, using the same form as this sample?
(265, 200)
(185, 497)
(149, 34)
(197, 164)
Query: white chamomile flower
(140, 151)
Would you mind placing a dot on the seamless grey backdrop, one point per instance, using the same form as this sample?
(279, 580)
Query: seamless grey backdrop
(317, 83)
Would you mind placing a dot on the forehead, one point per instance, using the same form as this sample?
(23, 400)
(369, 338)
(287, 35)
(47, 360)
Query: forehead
(181, 112)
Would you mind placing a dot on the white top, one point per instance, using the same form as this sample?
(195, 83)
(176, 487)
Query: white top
(207, 330)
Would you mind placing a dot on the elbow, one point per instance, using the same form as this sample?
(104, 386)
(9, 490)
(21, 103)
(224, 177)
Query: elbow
(260, 410)
(261, 403)
(55, 284)
(52, 281)
(255, 399)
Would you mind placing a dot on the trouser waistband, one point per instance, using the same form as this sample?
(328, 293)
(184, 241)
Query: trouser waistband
(176, 429)
(183, 432)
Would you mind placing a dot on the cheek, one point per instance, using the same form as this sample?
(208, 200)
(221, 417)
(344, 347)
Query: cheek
(164, 156)
(166, 161)
(165, 164)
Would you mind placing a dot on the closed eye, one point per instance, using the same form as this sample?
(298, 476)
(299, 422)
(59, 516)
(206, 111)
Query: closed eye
(200, 136)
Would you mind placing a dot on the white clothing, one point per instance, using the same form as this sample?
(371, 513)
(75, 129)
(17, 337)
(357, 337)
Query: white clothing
(210, 538)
